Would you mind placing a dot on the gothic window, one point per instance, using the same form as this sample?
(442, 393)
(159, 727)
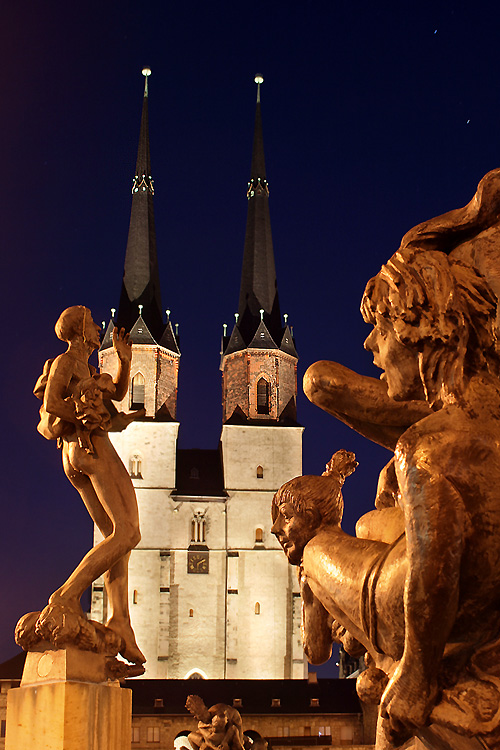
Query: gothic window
(194, 473)
(137, 391)
(198, 528)
(260, 472)
(257, 608)
(191, 612)
(153, 734)
(262, 396)
(259, 535)
(135, 466)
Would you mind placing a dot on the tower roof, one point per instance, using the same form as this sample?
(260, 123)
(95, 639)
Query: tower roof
(141, 280)
(258, 277)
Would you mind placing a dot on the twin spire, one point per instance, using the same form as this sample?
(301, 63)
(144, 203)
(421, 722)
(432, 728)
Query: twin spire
(258, 322)
(140, 309)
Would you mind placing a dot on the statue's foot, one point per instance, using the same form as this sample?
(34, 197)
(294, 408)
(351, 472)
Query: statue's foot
(58, 624)
(67, 603)
(130, 650)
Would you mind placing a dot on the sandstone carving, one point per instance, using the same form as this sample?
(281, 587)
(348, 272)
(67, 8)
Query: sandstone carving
(418, 587)
(74, 411)
(219, 727)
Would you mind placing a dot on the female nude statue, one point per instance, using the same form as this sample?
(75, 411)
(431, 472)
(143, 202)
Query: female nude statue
(73, 411)
(419, 586)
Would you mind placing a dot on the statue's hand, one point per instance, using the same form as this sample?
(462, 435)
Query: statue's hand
(121, 419)
(407, 700)
(122, 344)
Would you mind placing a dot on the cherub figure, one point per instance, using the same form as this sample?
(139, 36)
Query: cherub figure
(74, 412)
(219, 727)
(418, 587)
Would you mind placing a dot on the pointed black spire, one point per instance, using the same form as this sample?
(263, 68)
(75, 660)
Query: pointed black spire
(141, 281)
(258, 277)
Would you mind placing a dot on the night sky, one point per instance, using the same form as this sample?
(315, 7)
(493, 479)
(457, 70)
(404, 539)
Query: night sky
(376, 117)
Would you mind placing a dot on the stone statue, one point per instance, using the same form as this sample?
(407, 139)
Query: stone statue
(219, 727)
(74, 412)
(418, 588)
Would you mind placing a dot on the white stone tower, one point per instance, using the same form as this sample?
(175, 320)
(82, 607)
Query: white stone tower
(211, 593)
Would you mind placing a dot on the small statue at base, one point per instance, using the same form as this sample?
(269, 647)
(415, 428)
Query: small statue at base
(74, 412)
(219, 727)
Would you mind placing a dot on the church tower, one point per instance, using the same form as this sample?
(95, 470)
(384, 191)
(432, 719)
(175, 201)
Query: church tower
(211, 593)
(262, 448)
(148, 446)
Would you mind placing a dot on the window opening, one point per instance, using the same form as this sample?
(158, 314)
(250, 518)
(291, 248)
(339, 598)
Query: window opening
(257, 608)
(135, 466)
(262, 396)
(260, 472)
(259, 535)
(137, 392)
(191, 612)
(198, 528)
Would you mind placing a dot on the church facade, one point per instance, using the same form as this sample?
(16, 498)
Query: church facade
(211, 593)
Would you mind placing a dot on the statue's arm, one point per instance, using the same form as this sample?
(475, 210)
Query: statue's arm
(122, 345)
(435, 522)
(316, 626)
(55, 397)
(361, 402)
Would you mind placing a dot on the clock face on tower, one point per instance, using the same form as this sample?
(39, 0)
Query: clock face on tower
(197, 562)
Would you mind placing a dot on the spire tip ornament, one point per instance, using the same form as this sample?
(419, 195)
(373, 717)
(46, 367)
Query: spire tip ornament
(258, 80)
(146, 72)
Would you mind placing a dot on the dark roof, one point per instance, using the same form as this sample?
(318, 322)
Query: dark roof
(199, 473)
(12, 669)
(335, 696)
(141, 280)
(258, 289)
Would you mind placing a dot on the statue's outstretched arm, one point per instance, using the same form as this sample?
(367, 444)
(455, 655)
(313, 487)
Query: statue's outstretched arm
(123, 347)
(361, 402)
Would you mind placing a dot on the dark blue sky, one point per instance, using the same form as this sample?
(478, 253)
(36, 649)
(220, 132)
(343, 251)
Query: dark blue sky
(376, 117)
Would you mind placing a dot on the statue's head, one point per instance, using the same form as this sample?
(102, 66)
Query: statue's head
(434, 325)
(76, 323)
(303, 504)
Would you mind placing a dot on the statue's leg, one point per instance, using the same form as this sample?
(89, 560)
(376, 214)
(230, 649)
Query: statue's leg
(106, 489)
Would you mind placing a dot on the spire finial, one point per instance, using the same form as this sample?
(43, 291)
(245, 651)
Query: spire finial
(140, 309)
(146, 72)
(258, 80)
(262, 311)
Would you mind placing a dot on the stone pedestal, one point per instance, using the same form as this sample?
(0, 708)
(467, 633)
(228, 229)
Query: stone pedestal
(57, 709)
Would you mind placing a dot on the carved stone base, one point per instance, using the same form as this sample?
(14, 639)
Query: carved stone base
(67, 715)
(47, 664)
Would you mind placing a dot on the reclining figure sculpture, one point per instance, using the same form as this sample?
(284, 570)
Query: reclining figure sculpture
(418, 588)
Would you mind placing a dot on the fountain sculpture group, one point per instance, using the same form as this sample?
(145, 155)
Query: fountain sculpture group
(416, 591)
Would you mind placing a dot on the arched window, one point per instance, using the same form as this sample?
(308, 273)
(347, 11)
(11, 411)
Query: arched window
(259, 535)
(137, 391)
(198, 528)
(191, 612)
(135, 597)
(257, 608)
(262, 396)
(260, 472)
(135, 466)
